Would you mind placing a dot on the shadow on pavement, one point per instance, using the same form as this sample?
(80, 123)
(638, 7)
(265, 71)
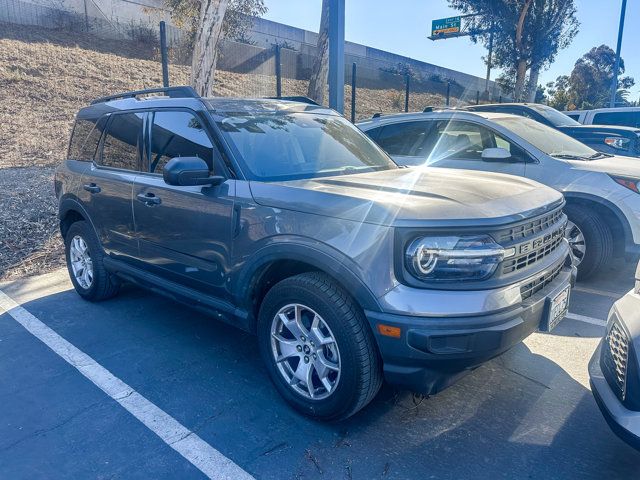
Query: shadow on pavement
(520, 415)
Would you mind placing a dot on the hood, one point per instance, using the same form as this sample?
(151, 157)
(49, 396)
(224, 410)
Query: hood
(426, 196)
(616, 165)
(601, 129)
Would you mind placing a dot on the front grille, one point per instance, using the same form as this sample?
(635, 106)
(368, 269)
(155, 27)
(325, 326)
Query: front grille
(529, 229)
(531, 288)
(528, 253)
(615, 358)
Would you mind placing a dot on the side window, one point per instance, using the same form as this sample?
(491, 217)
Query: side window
(466, 141)
(628, 119)
(120, 148)
(178, 134)
(575, 116)
(373, 133)
(85, 138)
(405, 139)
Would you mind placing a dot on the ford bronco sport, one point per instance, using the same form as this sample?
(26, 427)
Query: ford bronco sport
(282, 218)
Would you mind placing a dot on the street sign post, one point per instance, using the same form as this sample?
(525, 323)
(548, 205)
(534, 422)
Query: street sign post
(446, 26)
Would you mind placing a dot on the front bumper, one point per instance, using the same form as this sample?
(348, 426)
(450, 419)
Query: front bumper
(433, 352)
(624, 423)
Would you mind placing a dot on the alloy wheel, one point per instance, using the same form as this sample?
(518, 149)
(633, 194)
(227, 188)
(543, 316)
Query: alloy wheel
(305, 351)
(576, 242)
(81, 263)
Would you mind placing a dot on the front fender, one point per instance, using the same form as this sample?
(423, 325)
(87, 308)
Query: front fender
(316, 254)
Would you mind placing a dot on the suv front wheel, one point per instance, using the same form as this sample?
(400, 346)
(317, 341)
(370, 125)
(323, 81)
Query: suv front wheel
(84, 262)
(590, 239)
(318, 348)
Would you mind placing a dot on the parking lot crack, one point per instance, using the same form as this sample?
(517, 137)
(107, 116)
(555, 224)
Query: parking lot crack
(528, 378)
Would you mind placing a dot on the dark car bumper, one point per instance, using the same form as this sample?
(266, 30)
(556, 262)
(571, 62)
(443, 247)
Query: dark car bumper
(625, 423)
(432, 353)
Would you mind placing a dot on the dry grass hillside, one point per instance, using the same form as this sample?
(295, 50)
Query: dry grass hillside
(45, 77)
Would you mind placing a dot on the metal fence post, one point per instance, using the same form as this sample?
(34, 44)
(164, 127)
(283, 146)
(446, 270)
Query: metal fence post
(407, 87)
(278, 72)
(163, 54)
(448, 92)
(353, 92)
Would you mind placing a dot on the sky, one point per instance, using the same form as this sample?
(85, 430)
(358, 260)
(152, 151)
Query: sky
(404, 28)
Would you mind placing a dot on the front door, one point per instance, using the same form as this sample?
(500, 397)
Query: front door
(184, 232)
(107, 186)
(459, 144)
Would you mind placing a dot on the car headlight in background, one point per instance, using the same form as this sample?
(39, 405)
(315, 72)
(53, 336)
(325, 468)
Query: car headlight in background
(450, 258)
(627, 182)
(617, 142)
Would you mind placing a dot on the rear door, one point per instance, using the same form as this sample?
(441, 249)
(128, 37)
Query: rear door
(459, 144)
(107, 186)
(405, 142)
(184, 232)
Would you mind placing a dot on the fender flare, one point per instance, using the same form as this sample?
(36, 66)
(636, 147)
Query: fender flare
(626, 228)
(318, 255)
(71, 203)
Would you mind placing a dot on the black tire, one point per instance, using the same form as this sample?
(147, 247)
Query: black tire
(360, 364)
(598, 240)
(104, 285)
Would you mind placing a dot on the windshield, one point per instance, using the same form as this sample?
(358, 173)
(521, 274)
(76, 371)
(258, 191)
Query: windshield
(556, 118)
(288, 146)
(547, 139)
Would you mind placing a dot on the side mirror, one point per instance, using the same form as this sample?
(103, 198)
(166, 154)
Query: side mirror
(188, 171)
(496, 155)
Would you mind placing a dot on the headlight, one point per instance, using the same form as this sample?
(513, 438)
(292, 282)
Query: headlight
(440, 259)
(617, 142)
(630, 183)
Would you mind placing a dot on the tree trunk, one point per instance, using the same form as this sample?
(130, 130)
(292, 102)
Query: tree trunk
(521, 67)
(534, 75)
(320, 71)
(205, 51)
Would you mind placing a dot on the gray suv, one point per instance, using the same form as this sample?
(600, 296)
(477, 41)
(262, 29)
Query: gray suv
(283, 219)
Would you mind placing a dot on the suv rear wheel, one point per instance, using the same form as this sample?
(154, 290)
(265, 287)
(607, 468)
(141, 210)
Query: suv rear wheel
(590, 239)
(318, 348)
(84, 262)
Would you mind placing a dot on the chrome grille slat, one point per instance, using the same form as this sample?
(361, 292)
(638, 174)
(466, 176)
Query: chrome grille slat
(616, 357)
(522, 261)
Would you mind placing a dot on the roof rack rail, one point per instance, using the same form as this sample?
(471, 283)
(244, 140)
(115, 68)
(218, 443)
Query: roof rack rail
(377, 115)
(182, 91)
(427, 110)
(296, 98)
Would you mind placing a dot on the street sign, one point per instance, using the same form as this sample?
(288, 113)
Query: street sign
(446, 26)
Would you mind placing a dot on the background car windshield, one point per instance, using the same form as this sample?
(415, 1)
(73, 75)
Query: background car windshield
(287, 146)
(547, 139)
(556, 118)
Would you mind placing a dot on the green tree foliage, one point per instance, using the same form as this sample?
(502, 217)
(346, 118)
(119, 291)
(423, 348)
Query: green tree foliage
(588, 84)
(527, 33)
(237, 20)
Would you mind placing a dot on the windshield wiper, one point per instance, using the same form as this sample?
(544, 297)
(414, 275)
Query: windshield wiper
(568, 156)
(598, 155)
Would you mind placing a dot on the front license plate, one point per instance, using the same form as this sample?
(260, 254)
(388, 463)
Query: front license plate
(558, 308)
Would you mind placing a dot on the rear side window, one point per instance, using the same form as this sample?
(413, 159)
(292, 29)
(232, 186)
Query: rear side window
(575, 116)
(85, 138)
(628, 119)
(178, 134)
(404, 139)
(121, 145)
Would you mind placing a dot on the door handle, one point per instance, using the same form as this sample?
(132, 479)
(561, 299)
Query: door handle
(91, 187)
(149, 199)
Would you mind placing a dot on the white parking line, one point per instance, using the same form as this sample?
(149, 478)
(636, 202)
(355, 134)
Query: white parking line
(602, 293)
(202, 455)
(585, 319)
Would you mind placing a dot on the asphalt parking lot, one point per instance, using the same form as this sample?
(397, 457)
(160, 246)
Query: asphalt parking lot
(527, 414)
